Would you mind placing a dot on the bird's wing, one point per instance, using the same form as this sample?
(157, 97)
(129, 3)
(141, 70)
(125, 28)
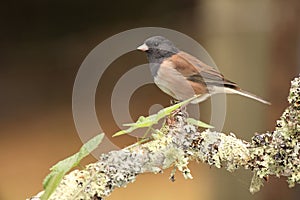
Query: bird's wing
(197, 71)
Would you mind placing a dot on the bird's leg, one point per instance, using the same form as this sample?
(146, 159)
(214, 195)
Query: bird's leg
(171, 118)
(181, 109)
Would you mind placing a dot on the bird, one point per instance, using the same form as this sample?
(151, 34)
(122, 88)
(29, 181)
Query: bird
(182, 76)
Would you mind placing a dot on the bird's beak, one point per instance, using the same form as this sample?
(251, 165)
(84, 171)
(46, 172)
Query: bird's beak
(143, 47)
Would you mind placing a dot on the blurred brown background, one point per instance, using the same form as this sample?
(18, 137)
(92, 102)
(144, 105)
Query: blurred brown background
(255, 43)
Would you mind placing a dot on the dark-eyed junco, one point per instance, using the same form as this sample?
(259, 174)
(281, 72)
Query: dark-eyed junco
(182, 75)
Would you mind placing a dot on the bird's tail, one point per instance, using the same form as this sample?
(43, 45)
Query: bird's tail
(246, 94)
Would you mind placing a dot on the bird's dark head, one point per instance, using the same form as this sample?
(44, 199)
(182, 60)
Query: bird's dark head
(158, 48)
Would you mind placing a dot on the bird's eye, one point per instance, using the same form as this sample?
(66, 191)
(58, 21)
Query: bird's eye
(156, 44)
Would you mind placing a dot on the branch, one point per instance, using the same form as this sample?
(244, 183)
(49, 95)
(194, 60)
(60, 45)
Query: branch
(178, 143)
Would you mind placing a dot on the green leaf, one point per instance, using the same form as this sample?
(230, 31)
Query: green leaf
(58, 171)
(198, 123)
(143, 122)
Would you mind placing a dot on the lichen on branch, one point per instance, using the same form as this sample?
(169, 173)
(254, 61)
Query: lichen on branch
(178, 143)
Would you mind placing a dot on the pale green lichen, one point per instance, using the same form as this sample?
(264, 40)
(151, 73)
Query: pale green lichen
(218, 149)
(234, 151)
(256, 183)
(277, 153)
(81, 185)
